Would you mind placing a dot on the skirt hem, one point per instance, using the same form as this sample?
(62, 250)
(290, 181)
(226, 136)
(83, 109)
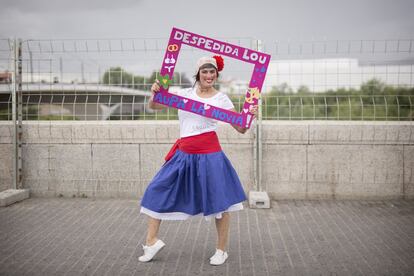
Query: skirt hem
(184, 216)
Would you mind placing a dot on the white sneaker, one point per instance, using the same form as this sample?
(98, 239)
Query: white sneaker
(151, 251)
(219, 257)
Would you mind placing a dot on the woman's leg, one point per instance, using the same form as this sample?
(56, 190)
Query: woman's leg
(153, 245)
(152, 233)
(222, 226)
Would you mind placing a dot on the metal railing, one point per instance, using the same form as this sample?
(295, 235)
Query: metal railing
(340, 107)
(109, 79)
(109, 106)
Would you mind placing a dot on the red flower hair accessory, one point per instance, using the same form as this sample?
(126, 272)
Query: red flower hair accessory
(220, 62)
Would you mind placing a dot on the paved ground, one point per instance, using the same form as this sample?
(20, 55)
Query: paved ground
(103, 237)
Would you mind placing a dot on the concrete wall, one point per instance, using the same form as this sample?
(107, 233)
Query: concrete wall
(333, 159)
(6, 155)
(301, 159)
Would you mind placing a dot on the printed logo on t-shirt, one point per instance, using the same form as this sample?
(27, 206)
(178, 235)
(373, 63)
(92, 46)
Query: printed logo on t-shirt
(200, 127)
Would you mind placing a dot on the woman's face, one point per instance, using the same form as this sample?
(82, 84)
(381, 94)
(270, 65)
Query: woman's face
(208, 77)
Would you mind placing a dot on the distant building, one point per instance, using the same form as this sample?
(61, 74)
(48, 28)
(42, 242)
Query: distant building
(234, 86)
(320, 75)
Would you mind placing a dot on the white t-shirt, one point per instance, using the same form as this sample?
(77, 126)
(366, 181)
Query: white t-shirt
(193, 124)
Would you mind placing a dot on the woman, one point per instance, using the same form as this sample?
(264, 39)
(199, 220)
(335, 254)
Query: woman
(197, 178)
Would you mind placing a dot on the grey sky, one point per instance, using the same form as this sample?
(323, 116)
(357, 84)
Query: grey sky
(269, 20)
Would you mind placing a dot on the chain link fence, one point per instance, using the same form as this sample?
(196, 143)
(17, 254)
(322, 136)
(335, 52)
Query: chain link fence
(95, 79)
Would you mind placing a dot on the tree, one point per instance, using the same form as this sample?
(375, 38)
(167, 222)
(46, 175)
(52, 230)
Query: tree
(117, 76)
(303, 89)
(372, 87)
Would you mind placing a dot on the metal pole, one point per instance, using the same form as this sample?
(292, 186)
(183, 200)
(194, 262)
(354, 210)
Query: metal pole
(258, 136)
(17, 102)
(14, 115)
(61, 69)
(255, 143)
(259, 147)
(31, 67)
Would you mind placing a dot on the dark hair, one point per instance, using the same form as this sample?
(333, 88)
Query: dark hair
(204, 66)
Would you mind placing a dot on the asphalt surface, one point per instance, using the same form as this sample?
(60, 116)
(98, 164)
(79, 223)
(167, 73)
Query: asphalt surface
(83, 236)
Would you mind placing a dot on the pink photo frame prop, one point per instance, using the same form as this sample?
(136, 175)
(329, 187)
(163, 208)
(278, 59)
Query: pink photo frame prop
(258, 59)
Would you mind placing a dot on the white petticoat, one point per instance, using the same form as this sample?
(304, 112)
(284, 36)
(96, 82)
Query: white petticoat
(184, 216)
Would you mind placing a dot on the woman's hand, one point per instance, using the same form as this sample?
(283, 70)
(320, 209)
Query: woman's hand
(254, 109)
(155, 87)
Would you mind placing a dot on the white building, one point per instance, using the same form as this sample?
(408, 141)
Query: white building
(323, 74)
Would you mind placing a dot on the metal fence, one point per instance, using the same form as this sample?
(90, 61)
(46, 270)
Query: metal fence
(93, 79)
(101, 106)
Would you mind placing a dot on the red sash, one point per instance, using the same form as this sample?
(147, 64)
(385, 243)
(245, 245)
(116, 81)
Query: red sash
(203, 143)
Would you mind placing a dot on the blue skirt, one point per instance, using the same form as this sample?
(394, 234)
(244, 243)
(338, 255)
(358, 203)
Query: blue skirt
(193, 184)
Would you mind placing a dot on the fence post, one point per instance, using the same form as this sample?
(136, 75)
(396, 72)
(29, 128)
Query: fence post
(17, 102)
(258, 198)
(258, 136)
(398, 107)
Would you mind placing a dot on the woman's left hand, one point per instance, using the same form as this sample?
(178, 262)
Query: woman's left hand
(254, 110)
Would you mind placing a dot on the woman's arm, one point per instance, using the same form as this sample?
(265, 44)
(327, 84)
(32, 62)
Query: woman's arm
(154, 105)
(253, 110)
(155, 88)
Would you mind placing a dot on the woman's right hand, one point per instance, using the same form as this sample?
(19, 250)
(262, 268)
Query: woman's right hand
(155, 88)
